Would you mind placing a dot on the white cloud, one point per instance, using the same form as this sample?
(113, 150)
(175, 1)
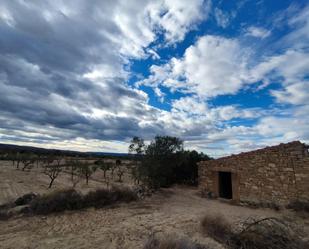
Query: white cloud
(159, 94)
(295, 94)
(190, 105)
(66, 85)
(213, 66)
(216, 66)
(258, 32)
(299, 22)
(222, 18)
(177, 17)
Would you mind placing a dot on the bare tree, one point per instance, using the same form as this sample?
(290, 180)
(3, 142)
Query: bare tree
(112, 169)
(120, 172)
(135, 173)
(104, 166)
(18, 158)
(75, 171)
(28, 162)
(52, 170)
(87, 169)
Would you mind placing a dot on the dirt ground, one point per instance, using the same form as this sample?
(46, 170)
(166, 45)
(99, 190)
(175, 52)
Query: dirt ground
(171, 212)
(15, 183)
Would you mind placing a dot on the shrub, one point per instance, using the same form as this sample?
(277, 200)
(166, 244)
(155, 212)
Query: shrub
(4, 215)
(25, 199)
(299, 206)
(57, 201)
(216, 227)
(267, 233)
(168, 243)
(270, 205)
(270, 233)
(97, 198)
(123, 194)
(70, 199)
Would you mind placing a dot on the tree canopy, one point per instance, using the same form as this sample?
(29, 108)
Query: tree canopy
(165, 162)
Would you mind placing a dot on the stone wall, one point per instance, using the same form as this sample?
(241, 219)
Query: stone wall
(278, 174)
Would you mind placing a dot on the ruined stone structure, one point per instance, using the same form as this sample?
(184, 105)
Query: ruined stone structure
(278, 174)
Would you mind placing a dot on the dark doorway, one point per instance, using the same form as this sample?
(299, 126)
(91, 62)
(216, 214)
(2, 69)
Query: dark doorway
(225, 185)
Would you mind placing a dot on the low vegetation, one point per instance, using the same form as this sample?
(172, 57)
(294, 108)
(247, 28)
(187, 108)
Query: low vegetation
(299, 206)
(4, 215)
(172, 243)
(270, 233)
(70, 199)
(217, 227)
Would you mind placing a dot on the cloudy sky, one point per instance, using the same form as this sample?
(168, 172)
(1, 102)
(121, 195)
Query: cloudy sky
(225, 76)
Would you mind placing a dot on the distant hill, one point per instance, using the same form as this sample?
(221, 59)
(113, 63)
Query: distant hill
(7, 148)
(113, 154)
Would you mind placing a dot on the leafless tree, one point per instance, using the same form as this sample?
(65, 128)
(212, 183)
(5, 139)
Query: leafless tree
(87, 169)
(28, 162)
(135, 173)
(52, 170)
(74, 167)
(120, 172)
(104, 166)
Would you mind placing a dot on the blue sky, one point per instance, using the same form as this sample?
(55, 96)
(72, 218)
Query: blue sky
(225, 76)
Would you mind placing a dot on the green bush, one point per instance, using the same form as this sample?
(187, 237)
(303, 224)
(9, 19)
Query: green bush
(164, 162)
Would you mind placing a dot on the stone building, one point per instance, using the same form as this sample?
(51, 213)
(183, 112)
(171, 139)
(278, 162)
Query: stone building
(278, 174)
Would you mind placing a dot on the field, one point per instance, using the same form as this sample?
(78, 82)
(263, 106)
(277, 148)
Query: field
(174, 212)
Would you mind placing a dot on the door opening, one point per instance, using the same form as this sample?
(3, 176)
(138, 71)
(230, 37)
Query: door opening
(225, 185)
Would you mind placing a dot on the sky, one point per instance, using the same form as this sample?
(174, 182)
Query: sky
(224, 76)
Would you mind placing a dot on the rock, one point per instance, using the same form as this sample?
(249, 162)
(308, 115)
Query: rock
(25, 199)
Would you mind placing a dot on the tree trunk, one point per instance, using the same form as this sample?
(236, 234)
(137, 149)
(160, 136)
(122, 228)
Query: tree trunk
(51, 183)
(72, 174)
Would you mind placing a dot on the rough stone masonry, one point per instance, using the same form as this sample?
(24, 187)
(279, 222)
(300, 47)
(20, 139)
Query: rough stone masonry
(278, 174)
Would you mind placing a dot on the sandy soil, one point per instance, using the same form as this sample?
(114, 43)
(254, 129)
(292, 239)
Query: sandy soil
(15, 183)
(175, 211)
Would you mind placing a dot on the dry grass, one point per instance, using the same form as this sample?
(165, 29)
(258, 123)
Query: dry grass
(216, 227)
(267, 233)
(270, 233)
(169, 243)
